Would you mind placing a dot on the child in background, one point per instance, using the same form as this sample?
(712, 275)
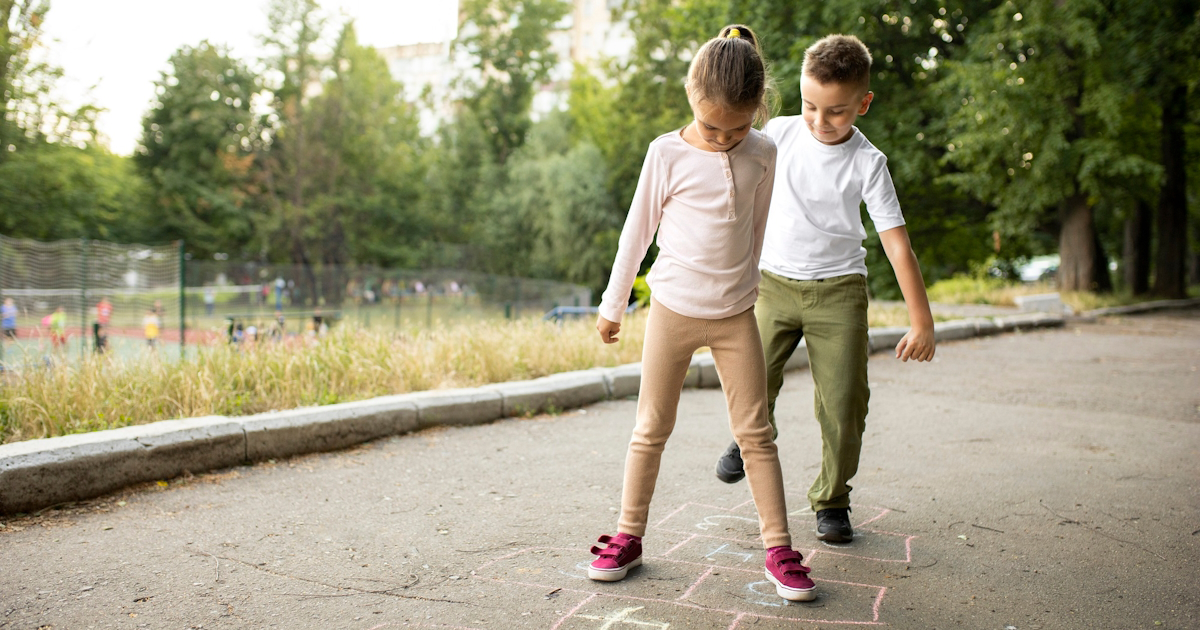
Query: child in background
(814, 281)
(152, 325)
(58, 327)
(8, 319)
(705, 189)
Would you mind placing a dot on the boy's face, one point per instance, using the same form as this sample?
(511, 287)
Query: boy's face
(830, 109)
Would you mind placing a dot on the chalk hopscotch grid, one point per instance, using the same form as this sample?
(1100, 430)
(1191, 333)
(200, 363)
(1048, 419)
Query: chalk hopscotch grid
(681, 601)
(813, 551)
(590, 596)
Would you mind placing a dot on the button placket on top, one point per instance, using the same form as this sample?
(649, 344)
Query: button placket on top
(728, 182)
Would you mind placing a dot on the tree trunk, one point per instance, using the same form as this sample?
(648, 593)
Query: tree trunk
(1169, 281)
(1137, 249)
(1101, 276)
(1076, 245)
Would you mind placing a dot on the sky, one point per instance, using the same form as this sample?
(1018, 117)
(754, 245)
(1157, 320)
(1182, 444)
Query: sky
(112, 51)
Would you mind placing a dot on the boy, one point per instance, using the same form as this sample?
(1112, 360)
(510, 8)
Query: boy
(814, 271)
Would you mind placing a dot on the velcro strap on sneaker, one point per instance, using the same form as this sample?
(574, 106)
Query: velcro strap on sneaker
(799, 568)
(613, 549)
(790, 562)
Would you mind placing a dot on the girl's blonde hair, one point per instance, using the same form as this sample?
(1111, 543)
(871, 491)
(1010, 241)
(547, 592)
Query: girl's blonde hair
(730, 71)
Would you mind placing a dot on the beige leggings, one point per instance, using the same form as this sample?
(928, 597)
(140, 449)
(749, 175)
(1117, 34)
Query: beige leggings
(671, 339)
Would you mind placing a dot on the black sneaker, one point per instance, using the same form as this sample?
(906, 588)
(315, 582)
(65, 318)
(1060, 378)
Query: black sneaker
(729, 467)
(833, 525)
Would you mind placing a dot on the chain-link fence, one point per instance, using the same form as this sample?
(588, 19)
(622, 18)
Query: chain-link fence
(223, 295)
(70, 297)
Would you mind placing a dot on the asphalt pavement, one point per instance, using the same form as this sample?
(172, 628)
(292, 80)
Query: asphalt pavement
(1046, 479)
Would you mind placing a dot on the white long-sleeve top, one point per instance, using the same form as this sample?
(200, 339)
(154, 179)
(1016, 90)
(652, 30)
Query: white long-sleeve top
(710, 211)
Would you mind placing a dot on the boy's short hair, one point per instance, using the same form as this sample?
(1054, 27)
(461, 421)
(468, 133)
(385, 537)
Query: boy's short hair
(839, 59)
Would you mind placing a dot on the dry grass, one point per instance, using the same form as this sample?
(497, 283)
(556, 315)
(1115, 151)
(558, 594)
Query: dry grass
(349, 364)
(969, 290)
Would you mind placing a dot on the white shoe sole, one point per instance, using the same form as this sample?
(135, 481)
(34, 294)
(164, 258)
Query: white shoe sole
(613, 575)
(792, 594)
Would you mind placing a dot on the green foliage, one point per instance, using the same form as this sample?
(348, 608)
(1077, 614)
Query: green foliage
(54, 181)
(54, 191)
(340, 168)
(509, 42)
(992, 123)
(556, 211)
(197, 152)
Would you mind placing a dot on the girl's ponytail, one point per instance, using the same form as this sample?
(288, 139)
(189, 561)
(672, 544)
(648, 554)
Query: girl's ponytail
(730, 71)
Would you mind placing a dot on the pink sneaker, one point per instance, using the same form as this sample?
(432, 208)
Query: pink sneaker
(621, 553)
(790, 577)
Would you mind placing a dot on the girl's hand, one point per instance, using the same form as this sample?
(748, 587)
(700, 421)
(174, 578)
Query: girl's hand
(918, 345)
(608, 330)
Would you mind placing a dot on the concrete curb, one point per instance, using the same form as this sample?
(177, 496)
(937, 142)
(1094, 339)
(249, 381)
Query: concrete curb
(39, 473)
(1144, 307)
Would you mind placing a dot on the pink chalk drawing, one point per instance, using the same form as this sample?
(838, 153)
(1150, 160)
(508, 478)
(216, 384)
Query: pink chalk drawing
(709, 574)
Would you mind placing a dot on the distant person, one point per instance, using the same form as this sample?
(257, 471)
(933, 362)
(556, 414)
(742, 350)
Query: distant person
(278, 331)
(99, 338)
(705, 189)
(57, 322)
(8, 319)
(814, 281)
(103, 312)
(152, 327)
(210, 300)
(318, 322)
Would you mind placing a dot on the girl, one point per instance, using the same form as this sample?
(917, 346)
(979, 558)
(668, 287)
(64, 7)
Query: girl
(705, 189)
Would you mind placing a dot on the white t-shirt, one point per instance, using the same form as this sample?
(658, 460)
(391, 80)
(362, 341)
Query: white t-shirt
(710, 211)
(815, 230)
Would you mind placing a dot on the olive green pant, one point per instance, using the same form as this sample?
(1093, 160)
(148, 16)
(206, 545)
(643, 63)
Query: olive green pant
(831, 315)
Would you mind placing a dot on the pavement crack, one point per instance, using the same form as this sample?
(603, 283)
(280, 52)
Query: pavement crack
(1068, 521)
(355, 591)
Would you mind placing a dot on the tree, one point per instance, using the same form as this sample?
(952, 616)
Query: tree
(197, 152)
(57, 192)
(294, 28)
(31, 115)
(55, 182)
(509, 42)
(1031, 131)
(368, 172)
(555, 216)
(1155, 59)
(340, 166)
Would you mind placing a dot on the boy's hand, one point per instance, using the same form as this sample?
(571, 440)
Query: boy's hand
(918, 345)
(608, 330)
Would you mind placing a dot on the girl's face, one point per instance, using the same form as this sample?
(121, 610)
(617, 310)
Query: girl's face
(717, 128)
(830, 109)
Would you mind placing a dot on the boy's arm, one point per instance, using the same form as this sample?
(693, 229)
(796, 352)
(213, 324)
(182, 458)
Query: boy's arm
(918, 344)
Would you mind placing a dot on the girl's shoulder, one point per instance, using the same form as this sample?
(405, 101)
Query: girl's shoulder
(758, 145)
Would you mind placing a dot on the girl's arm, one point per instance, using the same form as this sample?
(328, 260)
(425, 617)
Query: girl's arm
(918, 344)
(645, 212)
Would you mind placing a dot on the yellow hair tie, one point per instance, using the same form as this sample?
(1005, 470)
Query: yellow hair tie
(734, 33)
